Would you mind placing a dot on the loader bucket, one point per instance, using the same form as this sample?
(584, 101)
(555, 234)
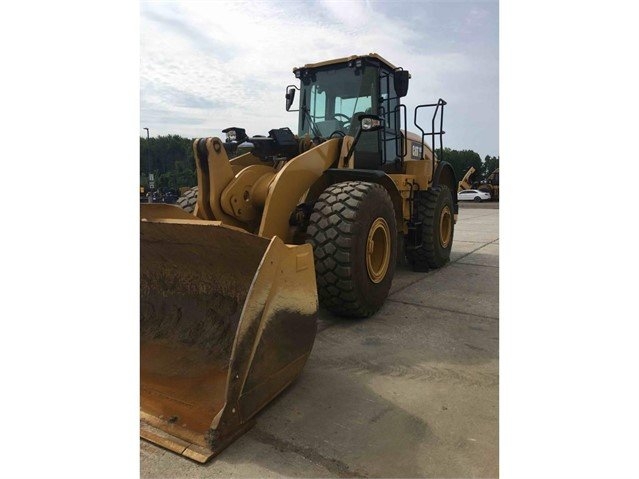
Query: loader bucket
(227, 321)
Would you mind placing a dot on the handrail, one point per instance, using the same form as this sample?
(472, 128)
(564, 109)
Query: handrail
(432, 133)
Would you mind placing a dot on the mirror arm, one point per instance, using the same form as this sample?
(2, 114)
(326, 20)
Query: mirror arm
(351, 150)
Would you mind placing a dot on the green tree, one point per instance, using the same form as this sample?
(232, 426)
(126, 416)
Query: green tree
(462, 160)
(490, 164)
(171, 161)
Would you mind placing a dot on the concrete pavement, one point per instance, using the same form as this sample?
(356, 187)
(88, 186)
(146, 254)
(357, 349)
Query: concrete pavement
(410, 392)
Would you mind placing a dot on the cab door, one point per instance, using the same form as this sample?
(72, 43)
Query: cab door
(390, 137)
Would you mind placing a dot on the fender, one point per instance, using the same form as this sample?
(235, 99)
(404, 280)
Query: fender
(337, 175)
(445, 175)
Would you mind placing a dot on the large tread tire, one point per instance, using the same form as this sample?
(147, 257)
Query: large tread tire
(188, 201)
(430, 205)
(338, 230)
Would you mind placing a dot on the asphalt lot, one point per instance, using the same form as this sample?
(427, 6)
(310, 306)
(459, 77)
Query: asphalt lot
(410, 392)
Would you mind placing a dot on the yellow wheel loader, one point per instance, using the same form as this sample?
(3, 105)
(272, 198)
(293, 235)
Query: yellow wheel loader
(465, 183)
(491, 185)
(230, 292)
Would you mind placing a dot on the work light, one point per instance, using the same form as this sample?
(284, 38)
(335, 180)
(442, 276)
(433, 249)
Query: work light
(371, 124)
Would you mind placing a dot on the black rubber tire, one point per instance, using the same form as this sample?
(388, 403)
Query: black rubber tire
(338, 231)
(188, 201)
(429, 204)
(477, 199)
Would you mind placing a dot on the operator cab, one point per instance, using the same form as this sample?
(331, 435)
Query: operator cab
(334, 94)
(358, 96)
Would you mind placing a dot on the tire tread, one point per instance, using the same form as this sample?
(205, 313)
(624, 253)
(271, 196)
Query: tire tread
(426, 257)
(332, 231)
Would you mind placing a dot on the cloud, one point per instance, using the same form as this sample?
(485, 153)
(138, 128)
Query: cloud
(172, 20)
(168, 117)
(167, 94)
(476, 17)
(228, 63)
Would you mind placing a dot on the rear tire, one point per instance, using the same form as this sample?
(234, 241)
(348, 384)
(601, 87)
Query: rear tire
(188, 201)
(435, 210)
(353, 232)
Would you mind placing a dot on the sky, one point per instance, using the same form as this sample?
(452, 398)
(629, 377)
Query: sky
(206, 66)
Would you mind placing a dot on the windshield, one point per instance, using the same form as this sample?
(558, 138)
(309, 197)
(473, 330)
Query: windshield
(335, 98)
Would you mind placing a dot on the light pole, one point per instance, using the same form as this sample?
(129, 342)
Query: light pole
(148, 162)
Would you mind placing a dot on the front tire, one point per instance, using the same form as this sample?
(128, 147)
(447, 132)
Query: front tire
(188, 201)
(435, 210)
(353, 232)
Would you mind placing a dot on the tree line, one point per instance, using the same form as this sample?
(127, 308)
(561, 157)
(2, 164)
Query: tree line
(462, 160)
(170, 159)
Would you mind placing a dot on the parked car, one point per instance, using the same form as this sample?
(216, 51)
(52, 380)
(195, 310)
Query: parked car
(473, 195)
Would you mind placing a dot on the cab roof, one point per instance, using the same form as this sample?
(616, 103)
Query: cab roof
(373, 56)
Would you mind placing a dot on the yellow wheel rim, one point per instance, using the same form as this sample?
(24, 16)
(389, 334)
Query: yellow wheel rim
(378, 248)
(445, 227)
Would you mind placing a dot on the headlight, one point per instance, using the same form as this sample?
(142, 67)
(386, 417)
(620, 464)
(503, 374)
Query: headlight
(370, 123)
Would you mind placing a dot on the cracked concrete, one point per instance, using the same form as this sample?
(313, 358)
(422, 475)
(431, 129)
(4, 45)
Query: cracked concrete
(410, 392)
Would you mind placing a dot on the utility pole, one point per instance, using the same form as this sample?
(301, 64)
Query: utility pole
(148, 162)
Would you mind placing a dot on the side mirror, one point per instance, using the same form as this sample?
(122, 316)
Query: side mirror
(370, 122)
(400, 81)
(290, 96)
